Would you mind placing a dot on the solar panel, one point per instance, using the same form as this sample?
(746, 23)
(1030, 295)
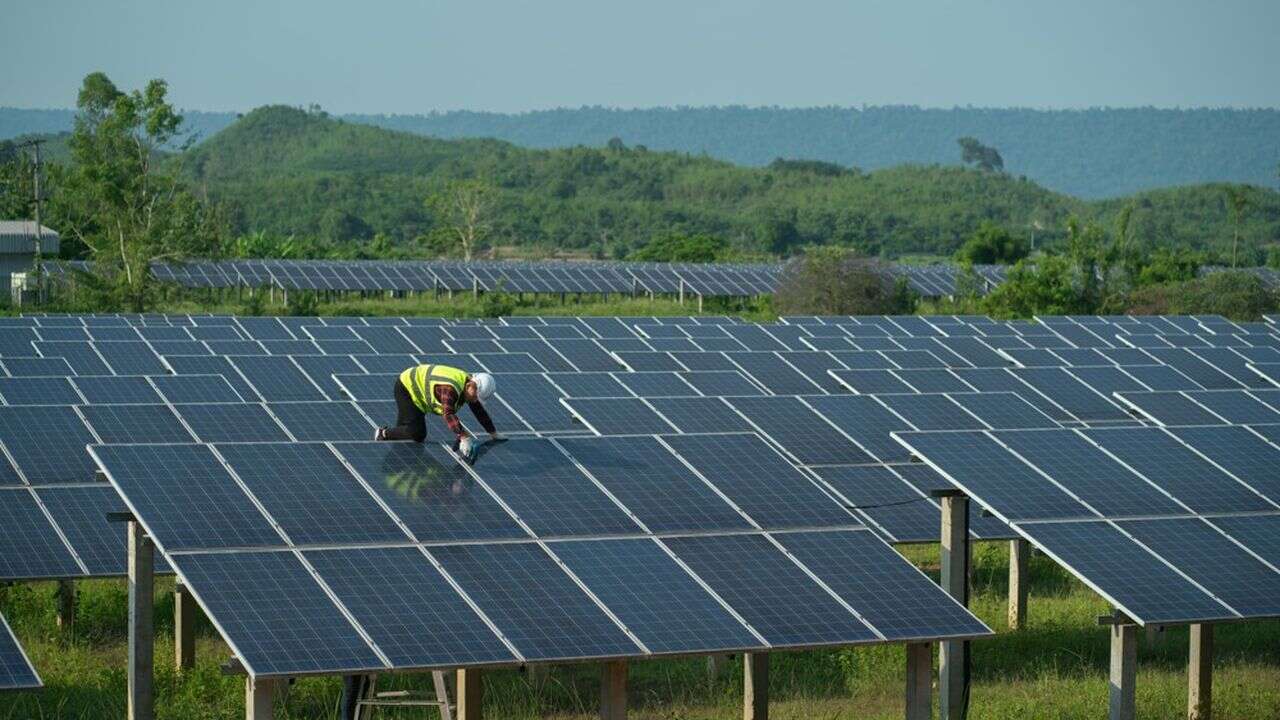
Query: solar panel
(46, 444)
(429, 492)
(533, 602)
(124, 389)
(145, 475)
(536, 400)
(586, 355)
(617, 416)
(131, 358)
(1195, 368)
(16, 671)
(277, 618)
(801, 431)
(704, 361)
(871, 381)
(893, 597)
(930, 412)
(1003, 411)
(721, 383)
(1259, 533)
(815, 365)
(867, 422)
(407, 608)
(1240, 452)
(653, 484)
(1207, 557)
(311, 494)
(231, 422)
(39, 391)
(1236, 406)
(700, 414)
(1070, 394)
(37, 367)
(773, 373)
(322, 421)
(1161, 377)
(648, 361)
(541, 351)
(548, 492)
(81, 356)
(774, 595)
(196, 389)
(900, 511)
(81, 514)
(509, 362)
(135, 424)
(655, 384)
(1174, 468)
(29, 546)
(759, 481)
(322, 368)
(654, 597)
(932, 381)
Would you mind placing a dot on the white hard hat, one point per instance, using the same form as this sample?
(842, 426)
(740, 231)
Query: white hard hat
(485, 385)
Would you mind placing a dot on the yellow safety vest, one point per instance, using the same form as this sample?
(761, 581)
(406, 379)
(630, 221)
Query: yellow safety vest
(421, 382)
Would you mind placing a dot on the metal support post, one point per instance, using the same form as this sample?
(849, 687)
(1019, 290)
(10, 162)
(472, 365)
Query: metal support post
(66, 605)
(755, 686)
(953, 655)
(919, 681)
(184, 623)
(613, 691)
(1019, 553)
(470, 693)
(141, 626)
(1200, 673)
(1124, 670)
(258, 698)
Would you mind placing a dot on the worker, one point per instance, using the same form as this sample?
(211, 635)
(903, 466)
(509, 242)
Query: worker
(440, 389)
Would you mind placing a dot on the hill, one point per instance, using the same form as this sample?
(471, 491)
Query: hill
(1094, 153)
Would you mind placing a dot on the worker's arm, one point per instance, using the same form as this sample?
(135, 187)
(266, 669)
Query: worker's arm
(449, 411)
(482, 415)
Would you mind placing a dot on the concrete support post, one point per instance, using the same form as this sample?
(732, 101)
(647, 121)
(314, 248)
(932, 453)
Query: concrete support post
(66, 605)
(1200, 673)
(1124, 671)
(755, 686)
(470, 690)
(613, 691)
(1019, 554)
(184, 628)
(141, 625)
(681, 291)
(258, 698)
(919, 681)
(955, 581)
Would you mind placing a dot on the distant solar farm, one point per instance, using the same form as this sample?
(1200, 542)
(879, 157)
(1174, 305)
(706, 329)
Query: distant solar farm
(673, 486)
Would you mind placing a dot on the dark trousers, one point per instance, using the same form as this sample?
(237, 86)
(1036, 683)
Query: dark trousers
(411, 423)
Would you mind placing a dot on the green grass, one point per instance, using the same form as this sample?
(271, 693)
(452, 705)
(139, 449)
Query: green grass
(1055, 669)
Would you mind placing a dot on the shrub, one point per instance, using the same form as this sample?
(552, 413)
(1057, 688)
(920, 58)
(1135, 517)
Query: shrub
(1236, 295)
(837, 281)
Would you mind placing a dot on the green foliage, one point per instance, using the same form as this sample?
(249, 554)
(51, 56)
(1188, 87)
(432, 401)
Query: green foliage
(676, 247)
(1049, 286)
(301, 303)
(992, 245)
(837, 281)
(985, 158)
(1236, 295)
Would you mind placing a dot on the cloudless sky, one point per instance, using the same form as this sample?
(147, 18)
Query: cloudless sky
(414, 56)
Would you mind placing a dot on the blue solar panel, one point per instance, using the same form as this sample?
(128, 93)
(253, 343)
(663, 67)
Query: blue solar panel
(548, 492)
(618, 416)
(231, 422)
(277, 617)
(531, 600)
(867, 422)
(760, 481)
(653, 484)
(1069, 393)
(814, 366)
(803, 432)
(1259, 533)
(39, 391)
(322, 368)
(771, 371)
(1229, 573)
(655, 384)
(932, 381)
(587, 385)
(1089, 473)
(863, 360)
(16, 671)
(586, 355)
(700, 414)
(37, 367)
(46, 444)
(264, 328)
(426, 488)
(192, 365)
(774, 595)
(29, 546)
(408, 609)
(131, 358)
(323, 421)
(1173, 467)
(871, 381)
(721, 384)
(903, 513)
(993, 476)
(509, 362)
(1240, 452)
(145, 475)
(890, 595)
(386, 340)
(536, 400)
(1004, 411)
(313, 497)
(541, 351)
(654, 597)
(1195, 368)
(649, 361)
(1236, 406)
(1134, 578)
(135, 424)
(81, 513)
(123, 389)
(1170, 408)
(931, 412)
(196, 389)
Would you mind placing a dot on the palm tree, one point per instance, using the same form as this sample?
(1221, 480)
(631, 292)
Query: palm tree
(1238, 200)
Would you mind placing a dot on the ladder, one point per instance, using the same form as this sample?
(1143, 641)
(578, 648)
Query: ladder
(370, 699)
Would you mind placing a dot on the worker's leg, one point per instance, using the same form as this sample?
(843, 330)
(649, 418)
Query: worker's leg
(411, 424)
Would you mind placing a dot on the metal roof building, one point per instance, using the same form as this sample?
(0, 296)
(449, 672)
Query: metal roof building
(18, 248)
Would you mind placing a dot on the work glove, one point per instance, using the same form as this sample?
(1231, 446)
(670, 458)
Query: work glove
(496, 437)
(467, 448)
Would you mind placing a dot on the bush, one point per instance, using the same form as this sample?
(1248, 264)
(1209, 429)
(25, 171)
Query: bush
(991, 244)
(837, 281)
(676, 247)
(1236, 295)
(1048, 287)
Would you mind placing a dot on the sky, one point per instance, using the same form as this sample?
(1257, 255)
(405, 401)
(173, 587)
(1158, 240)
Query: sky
(416, 56)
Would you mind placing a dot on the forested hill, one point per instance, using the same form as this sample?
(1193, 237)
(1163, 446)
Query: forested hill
(1086, 153)
(286, 171)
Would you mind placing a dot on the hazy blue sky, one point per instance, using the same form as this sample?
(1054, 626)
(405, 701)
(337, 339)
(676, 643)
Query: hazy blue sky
(411, 56)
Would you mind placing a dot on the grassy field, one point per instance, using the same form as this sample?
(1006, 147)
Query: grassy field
(1054, 669)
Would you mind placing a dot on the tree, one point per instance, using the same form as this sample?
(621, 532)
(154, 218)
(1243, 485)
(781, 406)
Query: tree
(16, 178)
(991, 244)
(837, 281)
(121, 198)
(973, 152)
(677, 247)
(464, 210)
(1238, 202)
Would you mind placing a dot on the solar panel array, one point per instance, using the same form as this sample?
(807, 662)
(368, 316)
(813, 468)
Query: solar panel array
(707, 280)
(814, 400)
